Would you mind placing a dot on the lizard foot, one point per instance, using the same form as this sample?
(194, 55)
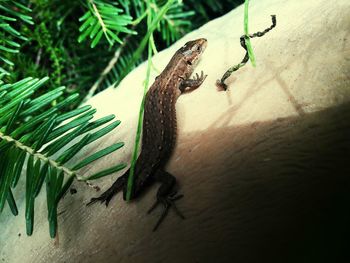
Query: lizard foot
(188, 85)
(167, 201)
(107, 195)
(200, 79)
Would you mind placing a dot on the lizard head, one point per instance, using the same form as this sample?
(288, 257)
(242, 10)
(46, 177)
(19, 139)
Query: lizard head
(192, 50)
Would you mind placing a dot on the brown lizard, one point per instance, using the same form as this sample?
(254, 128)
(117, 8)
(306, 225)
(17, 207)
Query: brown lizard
(159, 129)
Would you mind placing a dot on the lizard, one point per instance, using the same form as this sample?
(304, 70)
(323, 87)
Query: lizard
(159, 130)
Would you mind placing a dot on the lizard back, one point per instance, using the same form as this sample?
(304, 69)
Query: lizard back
(159, 122)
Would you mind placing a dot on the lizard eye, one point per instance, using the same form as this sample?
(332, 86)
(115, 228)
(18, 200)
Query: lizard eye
(198, 48)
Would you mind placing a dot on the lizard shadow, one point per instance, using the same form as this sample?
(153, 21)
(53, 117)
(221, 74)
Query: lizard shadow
(277, 188)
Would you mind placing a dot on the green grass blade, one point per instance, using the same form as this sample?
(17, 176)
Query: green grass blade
(246, 32)
(140, 120)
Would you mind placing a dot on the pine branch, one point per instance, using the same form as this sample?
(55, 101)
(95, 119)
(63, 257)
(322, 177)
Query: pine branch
(43, 141)
(12, 11)
(42, 129)
(105, 19)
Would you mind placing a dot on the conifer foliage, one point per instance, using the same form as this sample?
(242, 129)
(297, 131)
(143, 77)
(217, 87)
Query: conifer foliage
(55, 54)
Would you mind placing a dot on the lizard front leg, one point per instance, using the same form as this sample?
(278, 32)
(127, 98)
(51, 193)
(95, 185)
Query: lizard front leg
(192, 84)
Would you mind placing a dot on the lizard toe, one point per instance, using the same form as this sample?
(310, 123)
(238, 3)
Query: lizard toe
(167, 202)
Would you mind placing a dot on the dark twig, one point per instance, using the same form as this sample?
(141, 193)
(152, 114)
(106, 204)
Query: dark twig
(220, 83)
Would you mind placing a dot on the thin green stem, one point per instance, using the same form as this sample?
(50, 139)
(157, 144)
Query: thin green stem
(246, 32)
(150, 29)
(140, 18)
(140, 119)
(99, 18)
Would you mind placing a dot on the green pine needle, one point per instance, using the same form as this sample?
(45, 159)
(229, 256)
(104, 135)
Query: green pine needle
(106, 172)
(98, 155)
